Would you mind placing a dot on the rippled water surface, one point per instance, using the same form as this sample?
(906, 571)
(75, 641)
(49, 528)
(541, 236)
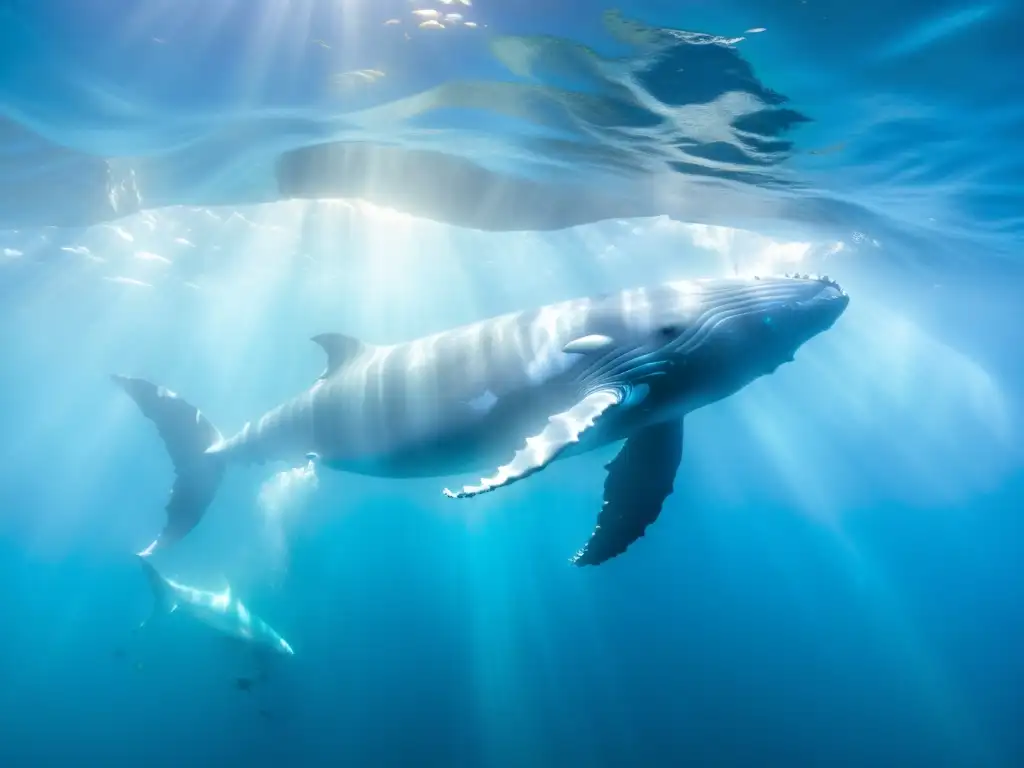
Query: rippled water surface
(522, 116)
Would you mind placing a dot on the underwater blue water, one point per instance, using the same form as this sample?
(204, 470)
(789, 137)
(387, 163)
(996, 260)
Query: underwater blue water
(190, 190)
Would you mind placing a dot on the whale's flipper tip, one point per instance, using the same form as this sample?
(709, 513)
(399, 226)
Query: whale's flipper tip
(639, 480)
(187, 434)
(148, 550)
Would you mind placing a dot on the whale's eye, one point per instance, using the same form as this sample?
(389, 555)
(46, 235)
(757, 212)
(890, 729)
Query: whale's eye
(669, 331)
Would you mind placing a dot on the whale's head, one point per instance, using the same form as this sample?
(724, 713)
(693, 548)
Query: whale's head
(717, 335)
(751, 325)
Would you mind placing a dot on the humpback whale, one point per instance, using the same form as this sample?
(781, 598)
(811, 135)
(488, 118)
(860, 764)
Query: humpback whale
(220, 610)
(526, 389)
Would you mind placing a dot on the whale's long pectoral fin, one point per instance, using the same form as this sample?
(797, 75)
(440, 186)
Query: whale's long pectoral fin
(639, 480)
(563, 430)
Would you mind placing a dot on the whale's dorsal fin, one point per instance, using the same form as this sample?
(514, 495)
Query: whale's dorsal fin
(339, 349)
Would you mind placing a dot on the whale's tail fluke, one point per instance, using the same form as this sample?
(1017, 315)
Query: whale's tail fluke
(186, 434)
(163, 599)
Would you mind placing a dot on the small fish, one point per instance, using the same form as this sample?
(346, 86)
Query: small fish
(755, 30)
(453, 17)
(431, 25)
(243, 684)
(322, 44)
(470, 24)
(427, 13)
(391, 22)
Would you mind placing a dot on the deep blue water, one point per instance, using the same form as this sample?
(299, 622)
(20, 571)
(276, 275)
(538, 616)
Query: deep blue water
(190, 190)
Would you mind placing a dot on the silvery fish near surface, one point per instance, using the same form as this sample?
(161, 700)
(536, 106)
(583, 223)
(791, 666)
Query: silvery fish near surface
(509, 395)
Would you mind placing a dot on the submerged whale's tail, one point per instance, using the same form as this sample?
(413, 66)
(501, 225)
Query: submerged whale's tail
(163, 600)
(186, 434)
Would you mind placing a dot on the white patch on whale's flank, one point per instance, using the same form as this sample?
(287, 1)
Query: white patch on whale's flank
(419, 354)
(377, 369)
(480, 361)
(470, 339)
(483, 403)
(509, 335)
(360, 372)
(636, 305)
(547, 335)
